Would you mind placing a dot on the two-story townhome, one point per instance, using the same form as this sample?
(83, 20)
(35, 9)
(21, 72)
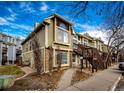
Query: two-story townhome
(9, 51)
(55, 32)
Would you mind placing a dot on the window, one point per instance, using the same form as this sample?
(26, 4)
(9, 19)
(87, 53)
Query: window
(62, 24)
(85, 42)
(74, 58)
(62, 36)
(75, 36)
(61, 56)
(75, 46)
(75, 41)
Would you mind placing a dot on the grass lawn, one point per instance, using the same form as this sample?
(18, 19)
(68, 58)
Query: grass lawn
(11, 70)
(38, 82)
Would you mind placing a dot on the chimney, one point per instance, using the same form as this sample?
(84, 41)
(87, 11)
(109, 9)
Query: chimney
(36, 25)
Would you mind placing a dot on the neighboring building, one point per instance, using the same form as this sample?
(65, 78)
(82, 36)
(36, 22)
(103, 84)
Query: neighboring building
(56, 32)
(75, 42)
(99, 44)
(105, 48)
(10, 49)
(87, 40)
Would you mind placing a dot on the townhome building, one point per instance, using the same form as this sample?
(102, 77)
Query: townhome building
(55, 32)
(86, 40)
(98, 44)
(10, 49)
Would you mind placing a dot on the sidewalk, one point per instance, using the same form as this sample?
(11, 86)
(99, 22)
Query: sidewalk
(101, 81)
(27, 71)
(66, 79)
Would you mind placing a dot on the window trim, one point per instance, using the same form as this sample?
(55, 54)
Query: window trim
(56, 41)
(55, 65)
(62, 28)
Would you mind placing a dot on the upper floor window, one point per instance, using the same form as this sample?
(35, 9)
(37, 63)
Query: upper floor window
(75, 36)
(62, 24)
(62, 36)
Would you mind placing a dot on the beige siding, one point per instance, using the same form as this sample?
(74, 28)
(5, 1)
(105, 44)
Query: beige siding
(41, 38)
(29, 57)
(51, 33)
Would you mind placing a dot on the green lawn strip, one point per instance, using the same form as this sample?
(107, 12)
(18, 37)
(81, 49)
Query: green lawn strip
(11, 70)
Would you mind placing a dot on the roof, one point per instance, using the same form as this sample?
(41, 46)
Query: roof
(35, 30)
(85, 36)
(58, 16)
(45, 22)
(98, 39)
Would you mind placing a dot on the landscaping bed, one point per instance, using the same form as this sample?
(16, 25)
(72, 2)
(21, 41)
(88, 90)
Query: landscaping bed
(38, 82)
(80, 76)
(11, 70)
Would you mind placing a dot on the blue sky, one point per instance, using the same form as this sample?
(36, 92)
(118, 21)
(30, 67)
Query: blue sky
(18, 18)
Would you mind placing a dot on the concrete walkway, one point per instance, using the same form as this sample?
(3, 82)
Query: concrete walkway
(27, 71)
(66, 79)
(102, 81)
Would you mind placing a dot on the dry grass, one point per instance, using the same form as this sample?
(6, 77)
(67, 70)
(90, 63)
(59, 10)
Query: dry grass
(11, 70)
(38, 82)
(80, 76)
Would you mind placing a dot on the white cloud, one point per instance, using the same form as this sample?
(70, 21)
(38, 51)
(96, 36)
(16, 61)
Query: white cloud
(27, 7)
(12, 16)
(3, 21)
(44, 7)
(24, 27)
(53, 10)
(21, 36)
(94, 31)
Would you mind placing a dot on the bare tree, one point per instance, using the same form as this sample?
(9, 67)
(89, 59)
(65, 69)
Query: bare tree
(59, 59)
(115, 41)
(110, 10)
(50, 50)
(113, 13)
(50, 81)
(37, 54)
(91, 55)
